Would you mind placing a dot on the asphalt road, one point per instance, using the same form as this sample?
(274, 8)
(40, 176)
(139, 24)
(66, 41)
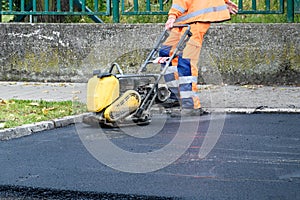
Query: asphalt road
(256, 156)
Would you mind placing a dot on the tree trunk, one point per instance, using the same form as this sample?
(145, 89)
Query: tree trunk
(64, 6)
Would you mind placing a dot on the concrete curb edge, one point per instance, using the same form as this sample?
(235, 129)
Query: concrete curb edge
(29, 129)
(254, 110)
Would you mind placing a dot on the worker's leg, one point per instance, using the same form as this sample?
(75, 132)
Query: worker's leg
(188, 67)
(171, 76)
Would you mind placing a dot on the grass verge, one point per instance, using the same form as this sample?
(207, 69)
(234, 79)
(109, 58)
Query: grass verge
(15, 112)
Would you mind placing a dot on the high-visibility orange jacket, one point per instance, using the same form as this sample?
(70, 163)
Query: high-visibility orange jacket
(188, 11)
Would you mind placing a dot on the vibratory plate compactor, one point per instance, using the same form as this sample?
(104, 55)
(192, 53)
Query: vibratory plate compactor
(117, 99)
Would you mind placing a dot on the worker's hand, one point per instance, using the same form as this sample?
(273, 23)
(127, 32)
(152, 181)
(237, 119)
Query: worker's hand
(170, 23)
(232, 7)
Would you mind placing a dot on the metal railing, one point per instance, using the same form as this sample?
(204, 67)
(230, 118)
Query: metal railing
(92, 8)
(20, 7)
(270, 7)
(147, 7)
(115, 8)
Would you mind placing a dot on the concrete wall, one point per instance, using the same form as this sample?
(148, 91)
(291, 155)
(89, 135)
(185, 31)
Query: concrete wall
(231, 53)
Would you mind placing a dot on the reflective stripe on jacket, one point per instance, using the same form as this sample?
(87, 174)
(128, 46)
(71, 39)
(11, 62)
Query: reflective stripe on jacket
(188, 11)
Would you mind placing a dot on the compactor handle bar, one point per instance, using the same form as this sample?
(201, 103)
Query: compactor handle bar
(117, 66)
(181, 26)
(187, 34)
(179, 47)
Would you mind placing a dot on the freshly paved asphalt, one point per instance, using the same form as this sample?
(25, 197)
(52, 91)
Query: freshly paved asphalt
(257, 156)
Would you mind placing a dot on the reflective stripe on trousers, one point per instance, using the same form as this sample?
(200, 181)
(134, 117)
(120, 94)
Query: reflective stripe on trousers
(181, 77)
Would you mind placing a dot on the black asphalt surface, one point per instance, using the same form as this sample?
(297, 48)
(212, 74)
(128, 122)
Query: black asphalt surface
(257, 156)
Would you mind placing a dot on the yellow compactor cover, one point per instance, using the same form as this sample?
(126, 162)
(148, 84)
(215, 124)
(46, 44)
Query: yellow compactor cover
(101, 92)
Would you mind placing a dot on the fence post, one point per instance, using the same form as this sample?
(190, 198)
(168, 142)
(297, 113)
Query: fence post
(116, 11)
(290, 10)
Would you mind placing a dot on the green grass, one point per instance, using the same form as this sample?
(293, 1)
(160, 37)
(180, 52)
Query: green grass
(7, 18)
(18, 112)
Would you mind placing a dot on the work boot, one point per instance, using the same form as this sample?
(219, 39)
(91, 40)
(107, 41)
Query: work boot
(171, 103)
(188, 112)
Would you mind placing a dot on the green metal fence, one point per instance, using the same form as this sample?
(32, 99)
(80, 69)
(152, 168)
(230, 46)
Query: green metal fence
(147, 7)
(270, 7)
(97, 8)
(92, 8)
(21, 7)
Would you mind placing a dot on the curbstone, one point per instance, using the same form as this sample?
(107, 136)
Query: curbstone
(61, 122)
(7, 134)
(29, 129)
(254, 110)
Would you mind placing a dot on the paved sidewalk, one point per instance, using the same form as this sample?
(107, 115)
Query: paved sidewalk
(212, 97)
(44, 91)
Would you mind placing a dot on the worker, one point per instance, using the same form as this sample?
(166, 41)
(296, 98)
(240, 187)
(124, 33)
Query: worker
(182, 74)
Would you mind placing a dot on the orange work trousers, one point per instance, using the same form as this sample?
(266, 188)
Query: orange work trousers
(182, 75)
